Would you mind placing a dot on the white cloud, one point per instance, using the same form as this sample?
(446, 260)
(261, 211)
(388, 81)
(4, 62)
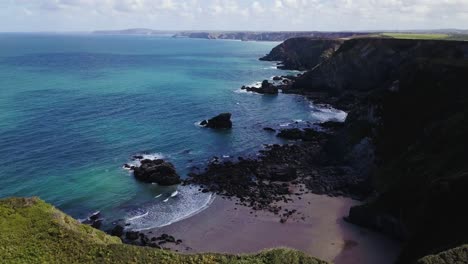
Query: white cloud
(234, 14)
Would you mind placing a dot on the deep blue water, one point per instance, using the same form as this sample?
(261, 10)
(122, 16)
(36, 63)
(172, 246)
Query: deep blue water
(74, 108)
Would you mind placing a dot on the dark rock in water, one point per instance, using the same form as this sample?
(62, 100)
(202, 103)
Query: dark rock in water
(266, 88)
(95, 216)
(277, 78)
(293, 134)
(307, 134)
(269, 129)
(117, 231)
(94, 220)
(157, 171)
(332, 125)
(221, 121)
(132, 235)
(137, 157)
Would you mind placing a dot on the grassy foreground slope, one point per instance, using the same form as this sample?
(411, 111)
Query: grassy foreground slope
(32, 231)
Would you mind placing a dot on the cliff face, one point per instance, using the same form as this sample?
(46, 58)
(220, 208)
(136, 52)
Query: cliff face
(366, 63)
(407, 127)
(302, 53)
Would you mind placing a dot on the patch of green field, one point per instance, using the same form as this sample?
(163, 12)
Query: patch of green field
(415, 36)
(32, 231)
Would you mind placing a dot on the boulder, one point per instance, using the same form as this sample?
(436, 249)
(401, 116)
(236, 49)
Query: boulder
(117, 231)
(269, 129)
(157, 171)
(132, 235)
(221, 121)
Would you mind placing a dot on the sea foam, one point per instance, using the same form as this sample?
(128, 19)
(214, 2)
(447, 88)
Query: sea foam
(186, 201)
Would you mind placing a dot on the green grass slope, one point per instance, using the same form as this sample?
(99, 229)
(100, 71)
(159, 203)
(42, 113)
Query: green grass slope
(32, 231)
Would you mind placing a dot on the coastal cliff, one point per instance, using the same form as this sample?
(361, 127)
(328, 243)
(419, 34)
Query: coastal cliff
(267, 36)
(407, 102)
(302, 53)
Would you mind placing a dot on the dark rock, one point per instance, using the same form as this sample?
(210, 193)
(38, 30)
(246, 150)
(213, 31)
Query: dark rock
(282, 173)
(292, 134)
(306, 134)
(332, 125)
(269, 129)
(277, 78)
(221, 121)
(132, 235)
(95, 216)
(266, 88)
(157, 171)
(97, 223)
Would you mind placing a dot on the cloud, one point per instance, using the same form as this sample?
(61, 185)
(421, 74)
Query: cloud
(235, 14)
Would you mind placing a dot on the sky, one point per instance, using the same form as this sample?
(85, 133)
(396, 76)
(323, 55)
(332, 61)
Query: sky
(266, 15)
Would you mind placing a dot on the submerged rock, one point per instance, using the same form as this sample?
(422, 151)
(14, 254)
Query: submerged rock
(221, 121)
(157, 171)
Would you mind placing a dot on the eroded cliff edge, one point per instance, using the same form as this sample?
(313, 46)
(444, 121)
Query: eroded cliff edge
(406, 129)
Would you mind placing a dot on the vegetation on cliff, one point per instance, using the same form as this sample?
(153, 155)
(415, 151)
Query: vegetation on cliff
(32, 231)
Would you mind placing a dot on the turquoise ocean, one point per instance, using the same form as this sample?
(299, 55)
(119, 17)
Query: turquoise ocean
(75, 107)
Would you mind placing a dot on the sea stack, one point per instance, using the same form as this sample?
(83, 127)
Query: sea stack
(221, 121)
(157, 171)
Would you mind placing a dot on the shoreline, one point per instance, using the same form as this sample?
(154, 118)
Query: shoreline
(318, 230)
(308, 217)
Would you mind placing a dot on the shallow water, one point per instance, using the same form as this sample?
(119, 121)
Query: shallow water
(75, 108)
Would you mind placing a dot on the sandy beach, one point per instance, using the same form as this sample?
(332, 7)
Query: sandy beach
(317, 228)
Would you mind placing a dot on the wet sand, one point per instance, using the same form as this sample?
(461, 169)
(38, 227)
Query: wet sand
(317, 229)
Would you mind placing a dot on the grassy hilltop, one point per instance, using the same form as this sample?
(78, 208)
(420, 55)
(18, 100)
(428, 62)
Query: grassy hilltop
(32, 231)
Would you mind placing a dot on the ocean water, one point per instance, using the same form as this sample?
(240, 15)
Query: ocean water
(75, 108)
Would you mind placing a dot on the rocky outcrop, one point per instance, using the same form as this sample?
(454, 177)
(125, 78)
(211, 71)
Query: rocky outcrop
(265, 88)
(157, 171)
(221, 121)
(303, 53)
(94, 220)
(406, 130)
(306, 134)
(365, 64)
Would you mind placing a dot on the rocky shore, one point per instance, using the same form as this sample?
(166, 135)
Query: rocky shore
(400, 149)
(404, 131)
